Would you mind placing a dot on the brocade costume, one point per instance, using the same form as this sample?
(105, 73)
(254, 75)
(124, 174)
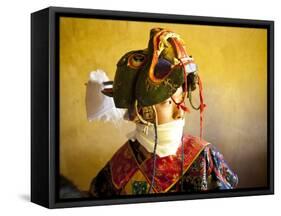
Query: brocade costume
(130, 169)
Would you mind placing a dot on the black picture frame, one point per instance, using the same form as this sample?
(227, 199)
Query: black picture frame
(45, 104)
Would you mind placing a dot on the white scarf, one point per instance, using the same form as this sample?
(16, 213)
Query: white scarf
(169, 137)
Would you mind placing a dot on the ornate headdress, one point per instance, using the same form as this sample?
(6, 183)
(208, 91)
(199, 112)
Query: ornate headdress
(150, 76)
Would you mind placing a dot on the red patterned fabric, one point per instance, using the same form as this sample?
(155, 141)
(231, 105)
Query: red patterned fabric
(168, 169)
(123, 166)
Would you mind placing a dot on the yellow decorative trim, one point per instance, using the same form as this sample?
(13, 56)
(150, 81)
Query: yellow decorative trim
(199, 152)
(138, 176)
(140, 169)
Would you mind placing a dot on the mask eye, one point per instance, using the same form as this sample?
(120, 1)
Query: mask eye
(136, 60)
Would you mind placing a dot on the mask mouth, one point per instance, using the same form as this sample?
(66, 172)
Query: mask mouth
(162, 68)
(168, 51)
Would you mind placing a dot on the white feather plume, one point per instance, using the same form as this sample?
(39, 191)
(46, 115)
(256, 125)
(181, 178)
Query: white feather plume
(99, 106)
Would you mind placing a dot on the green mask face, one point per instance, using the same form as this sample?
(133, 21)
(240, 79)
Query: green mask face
(152, 75)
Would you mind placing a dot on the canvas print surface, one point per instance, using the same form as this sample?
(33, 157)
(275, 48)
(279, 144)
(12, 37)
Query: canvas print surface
(149, 108)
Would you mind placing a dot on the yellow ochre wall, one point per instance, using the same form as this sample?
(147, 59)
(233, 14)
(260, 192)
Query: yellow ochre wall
(232, 64)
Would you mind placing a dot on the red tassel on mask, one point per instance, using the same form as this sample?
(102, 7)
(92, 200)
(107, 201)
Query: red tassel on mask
(183, 107)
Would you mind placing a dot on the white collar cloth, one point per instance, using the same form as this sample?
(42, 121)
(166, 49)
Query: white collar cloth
(169, 137)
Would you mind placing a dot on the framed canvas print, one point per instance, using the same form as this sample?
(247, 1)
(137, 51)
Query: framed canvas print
(138, 107)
